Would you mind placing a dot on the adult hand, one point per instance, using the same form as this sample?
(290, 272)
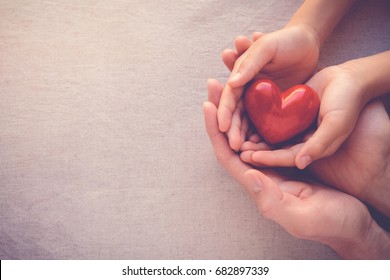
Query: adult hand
(355, 169)
(361, 166)
(305, 209)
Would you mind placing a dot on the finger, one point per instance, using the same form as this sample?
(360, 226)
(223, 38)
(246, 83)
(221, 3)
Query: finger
(267, 193)
(329, 136)
(228, 159)
(246, 156)
(227, 105)
(256, 36)
(214, 91)
(250, 63)
(242, 43)
(225, 155)
(217, 138)
(235, 132)
(253, 136)
(245, 129)
(229, 57)
(285, 208)
(255, 146)
(282, 157)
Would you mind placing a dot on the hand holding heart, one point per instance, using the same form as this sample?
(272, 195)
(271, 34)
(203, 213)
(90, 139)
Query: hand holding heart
(287, 56)
(341, 97)
(306, 210)
(349, 145)
(341, 103)
(357, 167)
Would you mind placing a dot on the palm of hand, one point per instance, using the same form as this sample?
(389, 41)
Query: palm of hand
(306, 210)
(359, 162)
(311, 211)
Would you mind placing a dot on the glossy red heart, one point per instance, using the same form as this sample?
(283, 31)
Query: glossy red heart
(279, 116)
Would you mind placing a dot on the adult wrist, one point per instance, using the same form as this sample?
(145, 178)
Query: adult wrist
(374, 244)
(380, 195)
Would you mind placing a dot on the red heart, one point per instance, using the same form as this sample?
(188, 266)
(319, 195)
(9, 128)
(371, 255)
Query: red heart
(278, 116)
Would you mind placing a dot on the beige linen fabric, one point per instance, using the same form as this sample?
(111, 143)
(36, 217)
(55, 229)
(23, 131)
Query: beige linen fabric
(103, 151)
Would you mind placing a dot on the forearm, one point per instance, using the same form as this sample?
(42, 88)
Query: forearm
(321, 16)
(375, 245)
(373, 72)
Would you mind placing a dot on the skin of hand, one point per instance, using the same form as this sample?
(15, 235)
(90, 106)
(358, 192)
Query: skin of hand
(305, 209)
(342, 99)
(287, 56)
(343, 95)
(353, 167)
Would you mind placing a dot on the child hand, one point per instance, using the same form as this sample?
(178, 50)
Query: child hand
(238, 131)
(341, 93)
(288, 56)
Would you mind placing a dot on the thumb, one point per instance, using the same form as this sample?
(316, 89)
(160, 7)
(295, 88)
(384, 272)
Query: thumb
(250, 63)
(329, 136)
(265, 191)
(283, 208)
(256, 35)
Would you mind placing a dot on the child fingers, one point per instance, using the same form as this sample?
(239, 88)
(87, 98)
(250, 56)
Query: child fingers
(229, 57)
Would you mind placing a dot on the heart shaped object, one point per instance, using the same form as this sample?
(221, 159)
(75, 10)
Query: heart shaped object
(279, 116)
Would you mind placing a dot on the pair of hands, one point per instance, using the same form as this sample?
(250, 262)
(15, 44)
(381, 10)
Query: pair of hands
(288, 57)
(298, 205)
(305, 209)
(359, 162)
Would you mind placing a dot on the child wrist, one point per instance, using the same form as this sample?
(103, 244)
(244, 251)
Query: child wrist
(361, 79)
(307, 29)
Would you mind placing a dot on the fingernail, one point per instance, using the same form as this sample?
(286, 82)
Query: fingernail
(258, 185)
(305, 161)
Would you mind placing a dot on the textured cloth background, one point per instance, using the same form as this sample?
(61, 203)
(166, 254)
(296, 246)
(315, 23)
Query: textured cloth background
(103, 151)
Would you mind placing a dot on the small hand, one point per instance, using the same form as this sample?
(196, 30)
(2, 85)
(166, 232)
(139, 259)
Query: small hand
(239, 126)
(341, 103)
(288, 56)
